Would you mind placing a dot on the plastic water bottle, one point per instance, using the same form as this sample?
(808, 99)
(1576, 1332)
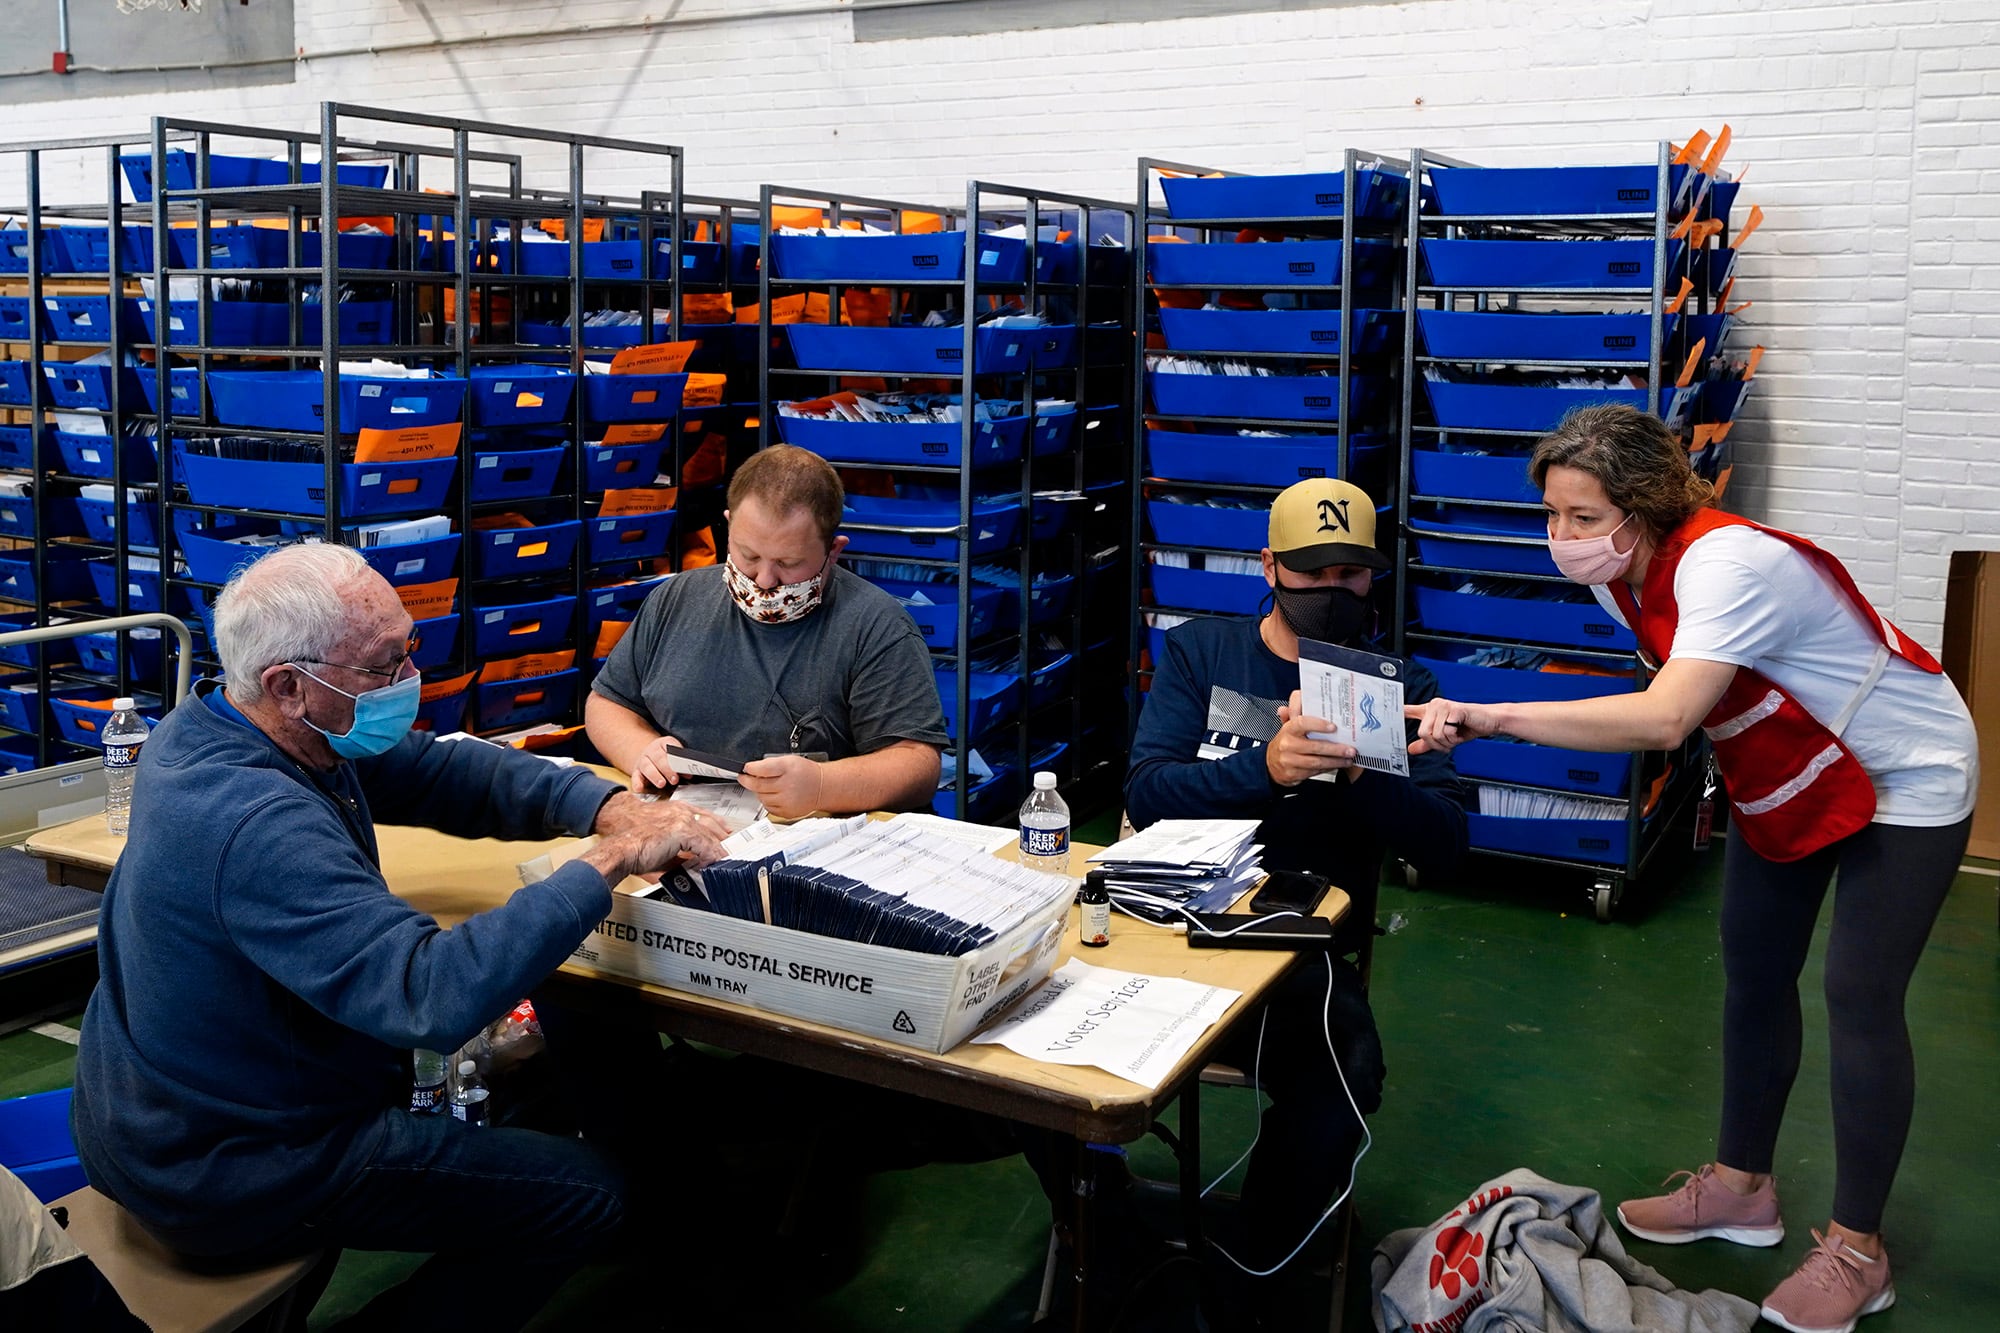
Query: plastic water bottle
(468, 1094)
(426, 1082)
(1045, 828)
(123, 735)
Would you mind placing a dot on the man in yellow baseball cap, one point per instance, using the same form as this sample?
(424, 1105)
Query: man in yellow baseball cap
(1221, 737)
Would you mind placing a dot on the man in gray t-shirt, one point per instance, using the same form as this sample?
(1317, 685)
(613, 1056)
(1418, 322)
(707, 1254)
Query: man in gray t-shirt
(779, 657)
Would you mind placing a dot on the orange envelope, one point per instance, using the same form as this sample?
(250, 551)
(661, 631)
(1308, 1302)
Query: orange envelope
(425, 601)
(708, 308)
(654, 359)
(402, 446)
(915, 223)
(435, 690)
(704, 390)
(522, 668)
(792, 215)
(491, 522)
(638, 500)
(804, 308)
(633, 432)
(608, 635)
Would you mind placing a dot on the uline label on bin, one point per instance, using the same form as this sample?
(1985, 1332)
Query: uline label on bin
(1635, 196)
(1327, 199)
(1626, 268)
(1303, 266)
(1318, 401)
(924, 261)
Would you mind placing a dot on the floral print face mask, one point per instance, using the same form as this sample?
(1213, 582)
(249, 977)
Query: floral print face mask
(774, 606)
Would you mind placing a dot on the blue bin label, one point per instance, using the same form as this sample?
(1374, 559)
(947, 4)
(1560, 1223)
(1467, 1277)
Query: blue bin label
(931, 261)
(1626, 268)
(1583, 775)
(936, 447)
(951, 354)
(1619, 342)
(1635, 196)
(1303, 266)
(1326, 335)
(1318, 401)
(1594, 844)
(1327, 199)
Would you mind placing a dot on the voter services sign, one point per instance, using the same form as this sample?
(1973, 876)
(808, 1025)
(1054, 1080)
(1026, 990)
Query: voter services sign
(913, 999)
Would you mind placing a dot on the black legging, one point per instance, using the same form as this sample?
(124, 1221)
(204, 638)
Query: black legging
(1893, 881)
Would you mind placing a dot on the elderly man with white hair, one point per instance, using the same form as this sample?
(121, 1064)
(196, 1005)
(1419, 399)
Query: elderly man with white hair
(242, 1084)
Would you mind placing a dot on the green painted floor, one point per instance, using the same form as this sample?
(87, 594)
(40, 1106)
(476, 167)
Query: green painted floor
(1519, 1033)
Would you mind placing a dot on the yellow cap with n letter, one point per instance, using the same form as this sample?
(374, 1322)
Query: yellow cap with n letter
(1324, 522)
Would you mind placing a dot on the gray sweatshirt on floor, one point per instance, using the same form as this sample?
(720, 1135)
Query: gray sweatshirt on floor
(1526, 1253)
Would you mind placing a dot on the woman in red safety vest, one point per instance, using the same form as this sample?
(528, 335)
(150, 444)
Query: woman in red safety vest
(1841, 746)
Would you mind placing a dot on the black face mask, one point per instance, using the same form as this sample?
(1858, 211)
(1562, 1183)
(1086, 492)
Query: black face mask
(1330, 615)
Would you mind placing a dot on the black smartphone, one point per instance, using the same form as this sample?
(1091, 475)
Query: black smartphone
(1290, 891)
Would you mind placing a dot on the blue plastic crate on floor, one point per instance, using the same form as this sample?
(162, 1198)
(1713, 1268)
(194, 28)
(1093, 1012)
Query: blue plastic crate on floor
(628, 537)
(633, 397)
(1474, 335)
(1475, 405)
(1268, 263)
(609, 467)
(1258, 397)
(931, 256)
(295, 400)
(1546, 191)
(1526, 265)
(1494, 684)
(1544, 766)
(1306, 331)
(918, 350)
(517, 474)
(63, 580)
(520, 395)
(523, 627)
(1314, 194)
(1243, 460)
(367, 490)
(995, 527)
(503, 705)
(1464, 476)
(512, 552)
(433, 641)
(1498, 615)
(1452, 542)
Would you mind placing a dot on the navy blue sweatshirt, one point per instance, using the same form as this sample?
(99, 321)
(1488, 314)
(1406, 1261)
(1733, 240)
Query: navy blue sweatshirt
(260, 988)
(1218, 691)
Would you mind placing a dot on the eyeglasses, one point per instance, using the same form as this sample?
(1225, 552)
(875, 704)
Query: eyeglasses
(394, 671)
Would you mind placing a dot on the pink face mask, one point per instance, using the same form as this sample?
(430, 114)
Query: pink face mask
(1592, 560)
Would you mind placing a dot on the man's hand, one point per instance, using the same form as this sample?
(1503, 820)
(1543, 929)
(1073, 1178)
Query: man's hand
(787, 784)
(651, 773)
(1443, 723)
(625, 813)
(1292, 756)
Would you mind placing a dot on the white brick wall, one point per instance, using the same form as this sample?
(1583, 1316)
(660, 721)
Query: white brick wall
(1871, 133)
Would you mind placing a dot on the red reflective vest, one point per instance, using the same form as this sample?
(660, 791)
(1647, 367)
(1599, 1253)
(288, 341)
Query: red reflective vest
(1793, 786)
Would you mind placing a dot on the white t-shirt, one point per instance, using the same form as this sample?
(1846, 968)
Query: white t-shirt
(1748, 599)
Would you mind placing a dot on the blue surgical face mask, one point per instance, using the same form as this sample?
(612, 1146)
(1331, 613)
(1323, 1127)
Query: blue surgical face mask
(381, 717)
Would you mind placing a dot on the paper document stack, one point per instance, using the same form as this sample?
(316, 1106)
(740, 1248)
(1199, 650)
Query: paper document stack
(1177, 865)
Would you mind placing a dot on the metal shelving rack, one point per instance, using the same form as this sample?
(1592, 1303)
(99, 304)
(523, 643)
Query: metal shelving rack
(1350, 419)
(429, 262)
(1074, 302)
(1483, 551)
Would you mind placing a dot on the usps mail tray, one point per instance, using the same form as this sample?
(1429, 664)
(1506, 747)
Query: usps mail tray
(912, 999)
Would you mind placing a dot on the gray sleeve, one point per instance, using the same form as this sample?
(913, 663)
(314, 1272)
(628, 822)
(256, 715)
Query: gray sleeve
(892, 694)
(623, 679)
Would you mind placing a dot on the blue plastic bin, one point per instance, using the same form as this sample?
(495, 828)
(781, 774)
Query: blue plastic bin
(1456, 545)
(17, 755)
(100, 521)
(1315, 194)
(522, 627)
(295, 400)
(142, 587)
(63, 580)
(1598, 841)
(1263, 398)
(521, 395)
(1473, 476)
(1503, 336)
(632, 397)
(433, 641)
(17, 447)
(1049, 676)
(1543, 766)
(504, 705)
(14, 250)
(60, 652)
(1258, 460)
(890, 259)
(1496, 616)
(213, 561)
(1490, 685)
(604, 336)
(20, 704)
(1269, 264)
(995, 527)
(87, 319)
(1202, 590)
(628, 537)
(17, 320)
(1047, 601)
(1205, 525)
(84, 249)
(722, 347)
(415, 562)
(916, 350)
(1555, 191)
(1276, 330)
(14, 383)
(80, 725)
(1722, 198)
(1477, 406)
(938, 622)
(617, 601)
(366, 489)
(517, 474)
(35, 1144)
(891, 444)
(98, 654)
(995, 699)
(246, 246)
(72, 386)
(442, 717)
(608, 467)
(183, 391)
(1596, 265)
(514, 552)
(269, 323)
(1710, 330)
(231, 172)
(17, 516)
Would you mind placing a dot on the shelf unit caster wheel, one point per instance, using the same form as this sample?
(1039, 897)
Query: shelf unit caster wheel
(1605, 896)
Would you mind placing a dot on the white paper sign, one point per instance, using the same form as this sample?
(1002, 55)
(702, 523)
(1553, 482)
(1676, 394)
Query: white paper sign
(1125, 1023)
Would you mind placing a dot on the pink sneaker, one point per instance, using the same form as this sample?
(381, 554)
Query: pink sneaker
(1704, 1208)
(1831, 1290)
